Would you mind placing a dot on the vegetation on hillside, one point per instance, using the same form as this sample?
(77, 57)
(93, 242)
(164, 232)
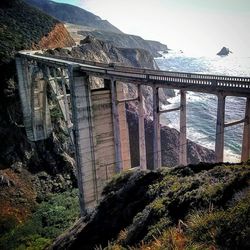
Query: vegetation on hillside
(21, 27)
(49, 220)
(203, 206)
(73, 14)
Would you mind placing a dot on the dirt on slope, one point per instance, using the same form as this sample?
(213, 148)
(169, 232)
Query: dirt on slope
(58, 38)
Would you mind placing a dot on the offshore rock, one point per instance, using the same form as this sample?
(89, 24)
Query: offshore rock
(224, 52)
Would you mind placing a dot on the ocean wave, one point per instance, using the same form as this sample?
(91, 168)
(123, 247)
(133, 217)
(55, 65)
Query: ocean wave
(202, 108)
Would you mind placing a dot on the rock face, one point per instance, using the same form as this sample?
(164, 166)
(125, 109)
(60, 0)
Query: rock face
(58, 38)
(127, 41)
(72, 14)
(169, 142)
(224, 52)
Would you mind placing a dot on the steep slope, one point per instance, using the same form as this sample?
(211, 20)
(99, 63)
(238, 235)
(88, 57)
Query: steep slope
(72, 14)
(201, 207)
(127, 41)
(24, 27)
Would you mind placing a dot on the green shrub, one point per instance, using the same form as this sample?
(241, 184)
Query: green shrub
(227, 229)
(49, 220)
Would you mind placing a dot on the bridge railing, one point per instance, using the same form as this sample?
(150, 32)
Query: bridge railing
(158, 75)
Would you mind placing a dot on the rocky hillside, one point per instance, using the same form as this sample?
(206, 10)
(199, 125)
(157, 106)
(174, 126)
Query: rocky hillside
(71, 14)
(199, 207)
(57, 38)
(169, 142)
(28, 171)
(127, 41)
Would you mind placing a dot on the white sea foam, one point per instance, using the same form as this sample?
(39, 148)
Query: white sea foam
(202, 108)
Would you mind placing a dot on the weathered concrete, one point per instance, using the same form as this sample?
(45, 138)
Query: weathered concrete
(124, 137)
(219, 142)
(32, 89)
(116, 127)
(157, 129)
(245, 155)
(103, 137)
(183, 130)
(84, 144)
(142, 143)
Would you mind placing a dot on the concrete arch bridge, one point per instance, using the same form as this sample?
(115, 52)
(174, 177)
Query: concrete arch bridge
(96, 119)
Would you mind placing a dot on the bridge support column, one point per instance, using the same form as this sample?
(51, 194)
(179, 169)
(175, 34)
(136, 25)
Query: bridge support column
(32, 89)
(83, 137)
(24, 85)
(219, 143)
(245, 155)
(142, 145)
(41, 121)
(116, 126)
(157, 129)
(183, 130)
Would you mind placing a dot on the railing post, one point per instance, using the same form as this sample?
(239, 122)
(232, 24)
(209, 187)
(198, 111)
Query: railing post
(245, 151)
(142, 145)
(183, 130)
(116, 125)
(219, 143)
(157, 129)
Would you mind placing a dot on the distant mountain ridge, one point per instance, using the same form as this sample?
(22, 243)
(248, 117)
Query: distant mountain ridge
(127, 41)
(73, 14)
(96, 27)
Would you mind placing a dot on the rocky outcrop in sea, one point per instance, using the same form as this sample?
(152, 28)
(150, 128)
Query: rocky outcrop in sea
(224, 52)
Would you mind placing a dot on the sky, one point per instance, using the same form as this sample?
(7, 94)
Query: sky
(198, 27)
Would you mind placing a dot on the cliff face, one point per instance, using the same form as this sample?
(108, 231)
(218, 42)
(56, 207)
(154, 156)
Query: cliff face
(58, 38)
(127, 41)
(28, 171)
(170, 145)
(72, 14)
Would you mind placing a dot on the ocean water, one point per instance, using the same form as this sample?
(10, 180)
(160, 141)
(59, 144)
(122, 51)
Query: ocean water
(202, 108)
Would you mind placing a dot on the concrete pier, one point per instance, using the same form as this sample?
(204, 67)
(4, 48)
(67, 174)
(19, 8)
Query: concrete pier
(116, 127)
(245, 155)
(183, 130)
(32, 89)
(84, 144)
(103, 136)
(157, 129)
(219, 141)
(124, 136)
(142, 143)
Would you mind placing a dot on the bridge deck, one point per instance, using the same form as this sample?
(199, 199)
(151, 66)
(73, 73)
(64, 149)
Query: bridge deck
(231, 85)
